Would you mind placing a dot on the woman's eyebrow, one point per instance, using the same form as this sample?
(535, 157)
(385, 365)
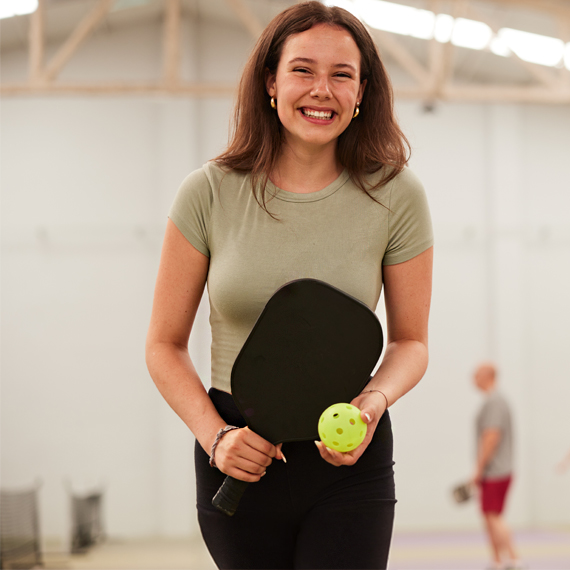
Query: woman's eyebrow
(312, 61)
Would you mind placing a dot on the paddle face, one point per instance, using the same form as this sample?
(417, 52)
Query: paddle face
(311, 347)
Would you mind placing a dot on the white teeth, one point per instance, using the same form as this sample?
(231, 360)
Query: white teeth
(317, 114)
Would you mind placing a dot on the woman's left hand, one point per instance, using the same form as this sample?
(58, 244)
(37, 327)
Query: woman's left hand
(372, 406)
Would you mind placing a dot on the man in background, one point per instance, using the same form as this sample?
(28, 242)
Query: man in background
(494, 467)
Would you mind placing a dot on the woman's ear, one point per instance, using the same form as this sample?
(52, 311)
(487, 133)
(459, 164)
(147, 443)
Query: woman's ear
(270, 83)
(361, 89)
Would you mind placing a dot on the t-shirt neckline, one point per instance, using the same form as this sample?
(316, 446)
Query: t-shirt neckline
(327, 191)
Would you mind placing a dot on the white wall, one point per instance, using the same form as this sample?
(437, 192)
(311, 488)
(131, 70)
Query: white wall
(86, 186)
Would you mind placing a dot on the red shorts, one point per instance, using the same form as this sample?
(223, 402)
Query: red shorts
(493, 493)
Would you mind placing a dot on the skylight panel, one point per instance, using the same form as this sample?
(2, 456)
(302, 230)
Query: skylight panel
(533, 48)
(396, 18)
(9, 8)
(471, 34)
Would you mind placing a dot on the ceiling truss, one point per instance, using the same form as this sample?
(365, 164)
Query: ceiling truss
(432, 81)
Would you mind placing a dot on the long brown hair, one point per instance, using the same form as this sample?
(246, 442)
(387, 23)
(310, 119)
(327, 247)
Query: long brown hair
(370, 143)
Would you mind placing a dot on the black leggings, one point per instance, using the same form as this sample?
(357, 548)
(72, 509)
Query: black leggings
(305, 513)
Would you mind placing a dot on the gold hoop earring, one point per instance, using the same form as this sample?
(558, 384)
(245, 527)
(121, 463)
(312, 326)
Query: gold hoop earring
(273, 103)
(356, 111)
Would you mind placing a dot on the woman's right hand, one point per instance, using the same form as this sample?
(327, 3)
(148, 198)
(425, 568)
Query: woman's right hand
(244, 455)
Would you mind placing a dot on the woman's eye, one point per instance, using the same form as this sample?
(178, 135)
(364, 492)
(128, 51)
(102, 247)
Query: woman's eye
(301, 69)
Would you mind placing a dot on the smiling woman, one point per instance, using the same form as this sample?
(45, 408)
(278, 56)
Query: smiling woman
(318, 87)
(313, 184)
(375, 144)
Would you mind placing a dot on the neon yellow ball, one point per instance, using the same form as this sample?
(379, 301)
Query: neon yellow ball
(341, 427)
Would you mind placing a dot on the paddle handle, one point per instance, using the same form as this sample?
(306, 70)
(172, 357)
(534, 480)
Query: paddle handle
(229, 494)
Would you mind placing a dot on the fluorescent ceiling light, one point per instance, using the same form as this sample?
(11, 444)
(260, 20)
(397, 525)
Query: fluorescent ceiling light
(396, 18)
(443, 28)
(471, 34)
(9, 8)
(532, 47)
(422, 25)
(405, 20)
(499, 47)
(409, 21)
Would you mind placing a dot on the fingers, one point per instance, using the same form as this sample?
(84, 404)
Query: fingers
(337, 458)
(371, 405)
(244, 455)
(370, 415)
(367, 416)
(244, 470)
(256, 442)
(279, 454)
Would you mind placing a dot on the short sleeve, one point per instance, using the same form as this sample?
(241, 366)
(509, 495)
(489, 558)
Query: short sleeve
(493, 415)
(410, 229)
(191, 210)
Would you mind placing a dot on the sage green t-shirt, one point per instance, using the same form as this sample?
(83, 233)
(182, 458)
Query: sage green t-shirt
(338, 235)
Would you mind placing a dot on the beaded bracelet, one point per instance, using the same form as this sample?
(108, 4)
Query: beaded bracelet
(380, 392)
(219, 436)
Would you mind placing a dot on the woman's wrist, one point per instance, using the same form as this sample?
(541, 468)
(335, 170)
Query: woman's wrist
(223, 431)
(379, 392)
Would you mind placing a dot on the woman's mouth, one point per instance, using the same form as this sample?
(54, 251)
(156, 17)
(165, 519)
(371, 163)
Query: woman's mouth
(318, 115)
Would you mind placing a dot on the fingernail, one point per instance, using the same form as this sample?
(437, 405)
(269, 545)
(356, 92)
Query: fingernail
(283, 457)
(263, 474)
(368, 416)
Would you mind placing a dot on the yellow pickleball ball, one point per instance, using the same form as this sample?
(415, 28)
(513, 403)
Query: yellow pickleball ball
(341, 427)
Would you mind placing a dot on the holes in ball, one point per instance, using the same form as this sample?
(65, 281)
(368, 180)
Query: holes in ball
(339, 431)
(349, 407)
(361, 433)
(335, 415)
(351, 421)
(349, 445)
(335, 443)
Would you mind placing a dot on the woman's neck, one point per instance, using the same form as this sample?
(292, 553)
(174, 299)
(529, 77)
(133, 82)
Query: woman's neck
(306, 170)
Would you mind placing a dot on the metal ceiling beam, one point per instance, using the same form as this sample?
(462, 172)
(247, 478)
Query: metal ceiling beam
(171, 42)
(564, 73)
(490, 93)
(540, 73)
(83, 30)
(400, 53)
(206, 89)
(433, 82)
(36, 43)
(559, 9)
(440, 55)
(247, 17)
(460, 93)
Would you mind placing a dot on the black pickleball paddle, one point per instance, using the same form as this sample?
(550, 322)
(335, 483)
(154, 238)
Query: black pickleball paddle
(312, 346)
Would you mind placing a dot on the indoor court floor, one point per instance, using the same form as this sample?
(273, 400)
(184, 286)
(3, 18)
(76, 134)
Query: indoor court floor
(540, 549)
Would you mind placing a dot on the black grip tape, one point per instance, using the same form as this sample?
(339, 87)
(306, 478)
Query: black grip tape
(229, 494)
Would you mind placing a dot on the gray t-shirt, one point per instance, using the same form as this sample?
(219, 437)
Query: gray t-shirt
(495, 414)
(338, 235)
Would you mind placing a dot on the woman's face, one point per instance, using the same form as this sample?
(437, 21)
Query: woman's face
(317, 85)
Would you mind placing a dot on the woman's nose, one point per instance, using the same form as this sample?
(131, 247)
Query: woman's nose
(321, 87)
